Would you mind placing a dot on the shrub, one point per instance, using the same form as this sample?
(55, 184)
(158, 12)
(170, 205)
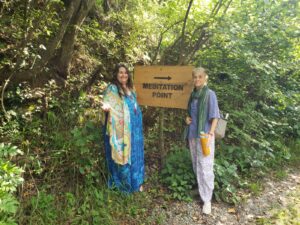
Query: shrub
(10, 178)
(178, 174)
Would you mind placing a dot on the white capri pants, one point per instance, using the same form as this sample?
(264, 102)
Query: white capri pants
(203, 168)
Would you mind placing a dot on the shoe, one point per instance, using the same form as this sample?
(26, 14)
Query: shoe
(206, 208)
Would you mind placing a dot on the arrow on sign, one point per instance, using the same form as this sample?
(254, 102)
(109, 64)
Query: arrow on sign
(163, 78)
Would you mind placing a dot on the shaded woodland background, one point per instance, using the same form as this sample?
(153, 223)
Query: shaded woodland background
(57, 56)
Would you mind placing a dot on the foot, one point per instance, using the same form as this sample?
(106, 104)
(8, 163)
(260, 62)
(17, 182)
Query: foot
(206, 208)
(141, 188)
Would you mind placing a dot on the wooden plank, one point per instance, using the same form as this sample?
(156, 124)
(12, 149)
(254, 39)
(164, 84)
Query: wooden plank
(163, 86)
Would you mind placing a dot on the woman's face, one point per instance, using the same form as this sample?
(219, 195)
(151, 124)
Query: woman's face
(122, 76)
(199, 79)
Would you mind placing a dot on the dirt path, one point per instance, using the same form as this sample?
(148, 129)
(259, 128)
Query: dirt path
(278, 199)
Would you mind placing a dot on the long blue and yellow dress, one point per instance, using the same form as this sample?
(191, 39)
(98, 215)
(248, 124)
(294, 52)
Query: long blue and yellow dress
(124, 141)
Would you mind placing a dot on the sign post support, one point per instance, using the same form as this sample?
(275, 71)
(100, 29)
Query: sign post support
(161, 136)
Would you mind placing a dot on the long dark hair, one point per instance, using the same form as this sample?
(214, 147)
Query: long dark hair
(116, 82)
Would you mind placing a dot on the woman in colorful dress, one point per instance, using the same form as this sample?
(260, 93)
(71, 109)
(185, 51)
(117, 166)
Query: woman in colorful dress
(203, 114)
(123, 133)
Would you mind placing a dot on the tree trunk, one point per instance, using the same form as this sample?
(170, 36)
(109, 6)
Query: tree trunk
(63, 59)
(75, 13)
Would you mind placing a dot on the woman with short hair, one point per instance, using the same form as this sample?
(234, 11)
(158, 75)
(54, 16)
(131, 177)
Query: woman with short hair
(203, 114)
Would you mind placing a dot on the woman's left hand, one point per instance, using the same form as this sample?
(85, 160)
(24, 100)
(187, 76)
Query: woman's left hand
(210, 137)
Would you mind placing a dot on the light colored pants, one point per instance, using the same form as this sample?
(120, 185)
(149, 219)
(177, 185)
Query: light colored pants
(203, 168)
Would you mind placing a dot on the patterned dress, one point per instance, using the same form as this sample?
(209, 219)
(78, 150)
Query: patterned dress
(130, 176)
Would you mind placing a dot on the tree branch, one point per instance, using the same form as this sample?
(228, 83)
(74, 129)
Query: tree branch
(181, 55)
(63, 60)
(225, 11)
(203, 38)
(216, 9)
(197, 46)
(170, 48)
(51, 47)
(86, 87)
(161, 38)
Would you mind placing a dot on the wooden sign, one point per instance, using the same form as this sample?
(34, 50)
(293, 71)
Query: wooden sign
(163, 86)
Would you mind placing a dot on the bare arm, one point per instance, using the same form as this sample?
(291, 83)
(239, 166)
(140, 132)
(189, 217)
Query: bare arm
(213, 125)
(212, 129)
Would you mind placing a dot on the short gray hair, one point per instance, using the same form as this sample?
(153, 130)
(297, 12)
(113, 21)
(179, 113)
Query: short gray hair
(200, 70)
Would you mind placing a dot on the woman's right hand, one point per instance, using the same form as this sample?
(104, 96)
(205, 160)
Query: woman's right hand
(188, 120)
(105, 107)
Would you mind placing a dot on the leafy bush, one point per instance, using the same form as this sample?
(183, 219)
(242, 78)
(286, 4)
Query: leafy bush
(85, 145)
(10, 178)
(227, 181)
(178, 174)
(90, 205)
(44, 206)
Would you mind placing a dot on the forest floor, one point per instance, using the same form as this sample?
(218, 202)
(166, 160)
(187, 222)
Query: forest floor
(277, 201)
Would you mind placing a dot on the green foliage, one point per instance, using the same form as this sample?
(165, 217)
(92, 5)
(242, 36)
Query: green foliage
(254, 74)
(32, 22)
(122, 35)
(8, 208)
(90, 205)
(71, 135)
(295, 153)
(255, 188)
(85, 146)
(10, 178)
(178, 174)
(281, 174)
(250, 47)
(44, 205)
(227, 181)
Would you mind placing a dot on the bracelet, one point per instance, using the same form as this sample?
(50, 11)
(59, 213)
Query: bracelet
(210, 133)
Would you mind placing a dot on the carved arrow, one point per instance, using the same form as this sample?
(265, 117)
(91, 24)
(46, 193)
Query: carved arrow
(163, 78)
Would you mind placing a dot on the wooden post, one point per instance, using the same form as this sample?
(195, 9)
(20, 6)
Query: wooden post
(163, 153)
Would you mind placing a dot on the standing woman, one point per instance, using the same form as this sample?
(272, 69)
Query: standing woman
(203, 114)
(123, 133)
